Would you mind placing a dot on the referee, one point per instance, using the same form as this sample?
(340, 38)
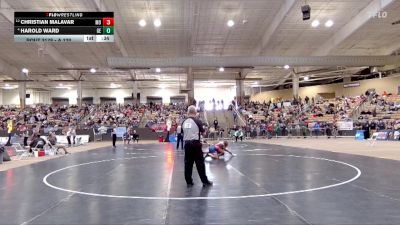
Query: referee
(192, 129)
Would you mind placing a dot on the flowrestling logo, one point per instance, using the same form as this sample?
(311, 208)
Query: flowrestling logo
(378, 15)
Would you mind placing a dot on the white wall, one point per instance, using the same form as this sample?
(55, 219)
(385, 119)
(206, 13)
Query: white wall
(218, 93)
(209, 93)
(11, 97)
(165, 93)
(390, 85)
(38, 97)
(118, 94)
(71, 95)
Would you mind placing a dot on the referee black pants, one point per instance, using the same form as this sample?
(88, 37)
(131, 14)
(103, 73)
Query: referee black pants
(194, 154)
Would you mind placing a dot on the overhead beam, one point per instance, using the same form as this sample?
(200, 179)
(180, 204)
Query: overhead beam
(230, 61)
(5, 68)
(117, 38)
(353, 25)
(278, 19)
(388, 50)
(283, 79)
(243, 73)
(8, 12)
(288, 75)
(59, 58)
(324, 73)
(301, 81)
(11, 71)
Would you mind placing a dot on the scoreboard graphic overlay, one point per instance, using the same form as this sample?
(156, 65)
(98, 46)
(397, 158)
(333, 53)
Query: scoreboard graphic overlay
(64, 26)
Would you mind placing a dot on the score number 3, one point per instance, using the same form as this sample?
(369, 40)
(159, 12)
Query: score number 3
(108, 21)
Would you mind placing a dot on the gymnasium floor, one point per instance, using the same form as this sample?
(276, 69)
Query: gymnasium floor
(143, 184)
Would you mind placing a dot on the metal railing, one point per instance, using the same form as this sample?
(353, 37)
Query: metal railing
(239, 115)
(357, 111)
(205, 119)
(87, 116)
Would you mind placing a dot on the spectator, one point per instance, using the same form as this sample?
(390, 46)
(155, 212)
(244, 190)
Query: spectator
(215, 123)
(52, 140)
(239, 135)
(135, 136)
(179, 137)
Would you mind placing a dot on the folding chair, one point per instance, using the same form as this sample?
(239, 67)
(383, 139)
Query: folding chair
(78, 141)
(52, 151)
(97, 135)
(372, 140)
(21, 152)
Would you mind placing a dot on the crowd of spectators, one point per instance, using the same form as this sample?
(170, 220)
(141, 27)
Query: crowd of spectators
(45, 115)
(299, 117)
(315, 117)
(163, 114)
(121, 115)
(381, 113)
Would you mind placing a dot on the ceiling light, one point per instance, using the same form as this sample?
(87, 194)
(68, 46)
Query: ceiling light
(306, 78)
(255, 84)
(221, 69)
(25, 70)
(142, 23)
(286, 67)
(7, 85)
(162, 86)
(315, 23)
(329, 23)
(93, 70)
(157, 22)
(113, 85)
(230, 23)
(62, 87)
(158, 70)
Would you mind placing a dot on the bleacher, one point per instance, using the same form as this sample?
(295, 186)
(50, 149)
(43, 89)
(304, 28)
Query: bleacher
(347, 107)
(388, 111)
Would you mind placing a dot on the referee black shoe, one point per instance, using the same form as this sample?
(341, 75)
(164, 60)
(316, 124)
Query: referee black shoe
(209, 183)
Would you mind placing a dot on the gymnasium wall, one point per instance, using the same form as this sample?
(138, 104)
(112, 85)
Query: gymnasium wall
(208, 93)
(165, 93)
(11, 97)
(390, 85)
